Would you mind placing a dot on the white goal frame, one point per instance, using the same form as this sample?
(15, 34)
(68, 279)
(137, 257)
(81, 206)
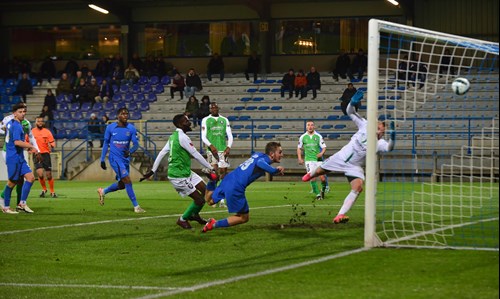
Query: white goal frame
(371, 238)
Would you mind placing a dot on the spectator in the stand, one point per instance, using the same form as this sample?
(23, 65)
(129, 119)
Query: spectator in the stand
(215, 66)
(64, 85)
(418, 71)
(313, 82)
(204, 107)
(130, 75)
(403, 69)
(71, 67)
(358, 66)
(102, 68)
(94, 128)
(193, 83)
(89, 76)
(93, 90)
(116, 76)
(116, 63)
(82, 93)
(177, 84)
(105, 92)
(253, 66)
(137, 62)
(300, 84)
(48, 117)
(192, 107)
(76, 80)
(341, 65)
(24, 87)
(346, 98)
(102, 128)
(50, 100)
(84, 69)
(47, 71)
(447, 63)
(288, 83)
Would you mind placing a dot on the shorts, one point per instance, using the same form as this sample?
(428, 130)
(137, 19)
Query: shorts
(17, 170)
(312, 165)
(46, 162)
(337, 164)
(235, 196)
(186, 186)
(121, 168)
(223, 160)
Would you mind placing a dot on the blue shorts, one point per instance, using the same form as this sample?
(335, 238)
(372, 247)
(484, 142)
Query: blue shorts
(235, 196)
(121, 168)
(17, 170)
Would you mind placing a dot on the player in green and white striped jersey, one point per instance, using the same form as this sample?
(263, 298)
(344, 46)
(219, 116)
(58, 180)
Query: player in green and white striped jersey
(185, 181)
(314, 147)
(217, 136)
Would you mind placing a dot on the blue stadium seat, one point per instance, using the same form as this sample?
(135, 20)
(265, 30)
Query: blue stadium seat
(340, 127)
(139, 97)
(144, 106)
(276, 90)
(243, 136)
(252, 90)
(124, 88)
(326, 127)
(108, 106)
(269, 136)
(244, 117)
(264, 90)
(117, 98)
(129, 97)
(264, 108)
(86, 106)
(276, 108)
(74, 106)
(132, 106)
(246, 99)
(276, 127)
(251, 108)
(258, 81)
(165, 80)
(263, 127)
(147, 88)
(258, 99)
(143, 80)
(97, 106)
(237, 127)
(135, 115)
(136, 88)
(154, 80)
(232, 118)
(239, 108)
(159, 89)
(332, 117)
(249, 127)
(270, 81)
(151, 97)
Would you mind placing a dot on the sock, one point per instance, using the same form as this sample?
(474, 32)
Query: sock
(221, 201)
(191, 210)
(323, 186)
(348, 202)
(131, 194)
(112, 188)
(42, 182)
(314, 187)
(211, 185)
(26, 191)
(221, 223)
(6, 195)
(19, 192)
(51, 185)
(3, 191)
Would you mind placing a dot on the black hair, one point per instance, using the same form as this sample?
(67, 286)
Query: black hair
(122, 109)
(177, 119)
(18, 106)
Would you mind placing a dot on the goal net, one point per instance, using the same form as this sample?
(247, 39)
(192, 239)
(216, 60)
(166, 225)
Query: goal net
(439, 187)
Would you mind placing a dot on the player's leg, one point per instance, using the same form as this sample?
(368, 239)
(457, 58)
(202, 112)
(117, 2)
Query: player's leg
(193, 211)
(189, 187)
(47, 165)
(19, 190)
(39, 173)
(222, 166)
(356, 189)
(236, 203)
(29, 178)
(7, 196)
(127, 182)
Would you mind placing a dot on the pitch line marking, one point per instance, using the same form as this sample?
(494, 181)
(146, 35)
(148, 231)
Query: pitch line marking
(252, 275)
(124, 220)
(92, 286)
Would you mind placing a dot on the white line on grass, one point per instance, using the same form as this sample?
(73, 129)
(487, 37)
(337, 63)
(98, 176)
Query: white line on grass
(125, 220)
(252, 275)
(93, 286)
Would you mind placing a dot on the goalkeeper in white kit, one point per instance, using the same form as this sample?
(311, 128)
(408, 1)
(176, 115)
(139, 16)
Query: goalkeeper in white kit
(351, 158)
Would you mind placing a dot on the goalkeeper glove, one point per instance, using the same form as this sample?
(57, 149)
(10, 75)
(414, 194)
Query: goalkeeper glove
(103, 165)
(147, 175)
(356, 98)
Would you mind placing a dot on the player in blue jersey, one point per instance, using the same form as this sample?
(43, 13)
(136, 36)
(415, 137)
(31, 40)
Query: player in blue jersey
(117, 137)
(234, 184)
(17, 167)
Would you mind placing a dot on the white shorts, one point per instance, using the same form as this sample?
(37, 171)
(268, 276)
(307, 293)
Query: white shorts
(337, 164)
(222, 163)
(186, 186)
(312, 165)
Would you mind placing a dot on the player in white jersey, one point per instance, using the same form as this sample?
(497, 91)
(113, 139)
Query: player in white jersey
(351, 159)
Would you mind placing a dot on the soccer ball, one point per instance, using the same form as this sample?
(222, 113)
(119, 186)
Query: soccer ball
(460, 86)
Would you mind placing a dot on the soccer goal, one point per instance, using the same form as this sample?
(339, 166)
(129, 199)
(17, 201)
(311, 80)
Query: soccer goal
(439, 187)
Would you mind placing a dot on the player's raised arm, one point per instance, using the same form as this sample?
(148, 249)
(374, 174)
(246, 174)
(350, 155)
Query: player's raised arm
(351, 111)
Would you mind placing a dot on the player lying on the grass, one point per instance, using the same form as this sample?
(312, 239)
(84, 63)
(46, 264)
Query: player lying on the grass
(185, 181)
(234, 184)
(350, 159)
(117, 137)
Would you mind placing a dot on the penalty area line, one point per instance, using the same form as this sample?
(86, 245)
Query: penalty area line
(252, 275)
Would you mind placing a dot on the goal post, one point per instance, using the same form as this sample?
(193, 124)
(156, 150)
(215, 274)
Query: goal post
(439, 187)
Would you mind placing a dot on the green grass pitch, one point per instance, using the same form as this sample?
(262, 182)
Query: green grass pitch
(73, 248)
